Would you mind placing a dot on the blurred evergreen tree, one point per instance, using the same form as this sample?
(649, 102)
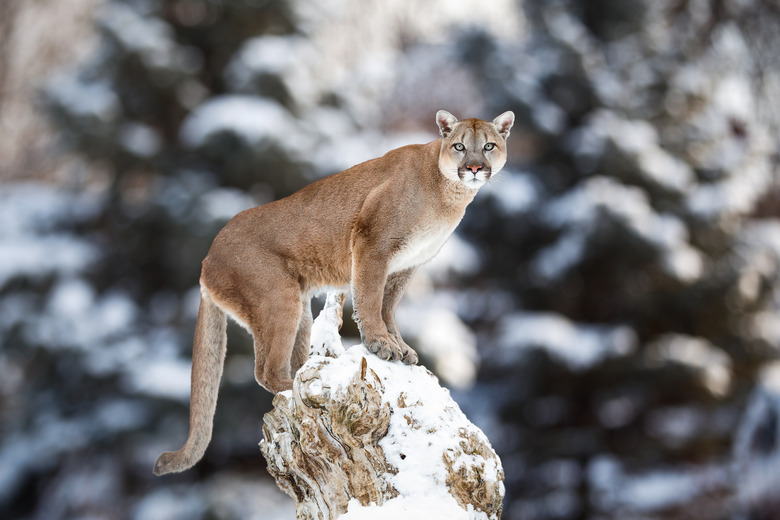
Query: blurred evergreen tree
(642, 259)
(125, 109)
(95, 287)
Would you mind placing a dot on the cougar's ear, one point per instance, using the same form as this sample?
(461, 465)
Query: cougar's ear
(503, 123)
(446, 122)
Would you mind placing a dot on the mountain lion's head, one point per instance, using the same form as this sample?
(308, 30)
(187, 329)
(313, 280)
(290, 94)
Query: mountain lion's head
(472, 150)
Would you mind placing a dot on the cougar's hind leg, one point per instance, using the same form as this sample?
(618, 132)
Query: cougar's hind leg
(274, 327)
(302, 338)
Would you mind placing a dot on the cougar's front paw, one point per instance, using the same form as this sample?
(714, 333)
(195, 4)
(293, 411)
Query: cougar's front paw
(409, 356)
(385, 347)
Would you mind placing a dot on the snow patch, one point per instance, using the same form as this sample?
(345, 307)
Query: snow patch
(286, 59)
(87, 101)
(614, 489)
(169, 378)
(456, 256)
(325, 338)
(712, 364)
(582, 213)
(440, 336)
(31, 245)
(514, 193)
(257, 120)
(578, 346)
(222, 204)
(139, 139)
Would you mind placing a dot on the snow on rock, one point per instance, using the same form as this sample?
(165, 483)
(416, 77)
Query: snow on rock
(325, 339)
(377, 439)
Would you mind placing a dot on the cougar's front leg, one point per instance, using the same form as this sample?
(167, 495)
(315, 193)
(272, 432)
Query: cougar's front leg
(394, 290)
(369, 275)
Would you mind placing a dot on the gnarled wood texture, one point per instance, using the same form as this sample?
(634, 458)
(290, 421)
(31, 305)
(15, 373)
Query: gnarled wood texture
(357, 430)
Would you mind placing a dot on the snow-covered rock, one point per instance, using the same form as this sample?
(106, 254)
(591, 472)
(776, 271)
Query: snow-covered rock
(325, 339)
(365, 438)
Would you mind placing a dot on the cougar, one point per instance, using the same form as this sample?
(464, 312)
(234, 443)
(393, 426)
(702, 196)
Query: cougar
(365, 229)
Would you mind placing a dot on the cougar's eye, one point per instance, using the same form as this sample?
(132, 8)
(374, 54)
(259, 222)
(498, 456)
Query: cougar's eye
(489, 146)
(459, 147)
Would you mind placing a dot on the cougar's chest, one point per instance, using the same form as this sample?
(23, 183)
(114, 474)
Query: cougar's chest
(421, 245)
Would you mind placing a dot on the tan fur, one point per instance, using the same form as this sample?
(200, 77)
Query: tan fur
(367, 228)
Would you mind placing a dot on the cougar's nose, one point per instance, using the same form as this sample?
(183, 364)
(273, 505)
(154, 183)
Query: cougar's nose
(474, 168)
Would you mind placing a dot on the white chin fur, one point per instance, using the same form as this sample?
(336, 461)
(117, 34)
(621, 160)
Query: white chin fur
(474, 183)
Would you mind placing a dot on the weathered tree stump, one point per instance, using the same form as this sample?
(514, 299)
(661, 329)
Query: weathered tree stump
(358, 434)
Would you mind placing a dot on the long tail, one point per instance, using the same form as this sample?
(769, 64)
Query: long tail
(208, 358)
